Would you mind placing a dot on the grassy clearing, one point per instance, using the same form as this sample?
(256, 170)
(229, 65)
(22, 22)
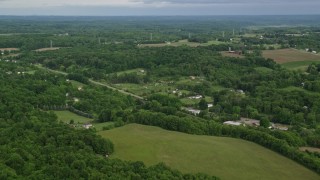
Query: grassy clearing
(226, 158)
(263, 70)
(99, 126)
(47, 49)
(227, 54)
(143, 90)
(184, 42)
(190, 102)
(138, 71)
(31, 72)
(298, 65)
(290, 55)
(77, 84)
(294, 88)
(66, 116)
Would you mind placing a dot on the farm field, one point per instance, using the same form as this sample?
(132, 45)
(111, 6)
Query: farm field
(181, 43)
(290, 55)
(226, 158)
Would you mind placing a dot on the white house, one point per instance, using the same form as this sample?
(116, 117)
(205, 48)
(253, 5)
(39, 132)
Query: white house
(195, 97)
(193, 111)
(87, 126)
(232, 123)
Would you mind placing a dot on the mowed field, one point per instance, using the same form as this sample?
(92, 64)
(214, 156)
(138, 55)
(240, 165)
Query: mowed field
(226, 158)
(290, 55)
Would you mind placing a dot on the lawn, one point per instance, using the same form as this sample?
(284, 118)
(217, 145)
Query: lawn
(226, 158)
(290, 55)
(66, 116)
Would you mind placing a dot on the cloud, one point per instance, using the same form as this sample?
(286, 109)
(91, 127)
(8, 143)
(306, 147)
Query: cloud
(158, 7)
(224, 1)
(53, 3)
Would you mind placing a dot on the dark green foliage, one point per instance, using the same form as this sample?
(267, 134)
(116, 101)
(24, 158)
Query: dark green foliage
(264, 122)
(106, 116)
(203, 105)
(78, 77)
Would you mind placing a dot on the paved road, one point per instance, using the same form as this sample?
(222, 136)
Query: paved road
(95, 83)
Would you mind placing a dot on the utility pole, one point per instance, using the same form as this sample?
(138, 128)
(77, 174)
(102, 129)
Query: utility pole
(223, 34)
(189, 35)
(151, 37)
(50, 43)
(99, 39)
(233, 32)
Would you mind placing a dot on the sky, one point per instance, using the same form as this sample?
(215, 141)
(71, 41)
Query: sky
(158, 7)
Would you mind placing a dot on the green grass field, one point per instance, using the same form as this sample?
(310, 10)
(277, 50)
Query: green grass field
(298, 65)
(226, 158)
(99, 126)
(282, 56)
(66, 116)
(263, 70)
(294, 88)
(77, 84)
(143, 90)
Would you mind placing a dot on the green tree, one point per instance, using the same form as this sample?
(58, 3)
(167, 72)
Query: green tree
(203, 105)
(264, 122)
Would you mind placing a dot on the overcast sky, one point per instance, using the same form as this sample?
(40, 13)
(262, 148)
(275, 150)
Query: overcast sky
(158, 7)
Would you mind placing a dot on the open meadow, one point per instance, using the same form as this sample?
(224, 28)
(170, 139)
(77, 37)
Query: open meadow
(226, 158)
(298, 65)
(66, 116)
(282, 56)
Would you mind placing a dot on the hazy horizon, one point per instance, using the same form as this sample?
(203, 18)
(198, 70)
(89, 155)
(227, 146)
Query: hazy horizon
(157, 7)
